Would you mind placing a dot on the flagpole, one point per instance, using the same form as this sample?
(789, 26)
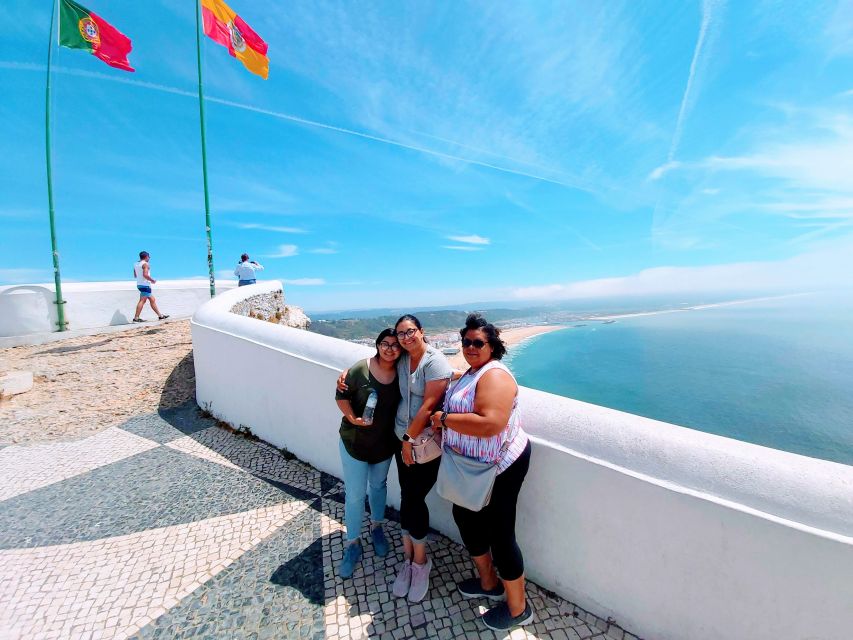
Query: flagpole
(60, 303)
(204, 151)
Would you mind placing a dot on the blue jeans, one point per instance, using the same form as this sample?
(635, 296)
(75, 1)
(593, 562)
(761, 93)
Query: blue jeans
(357, 476)
(243, 283)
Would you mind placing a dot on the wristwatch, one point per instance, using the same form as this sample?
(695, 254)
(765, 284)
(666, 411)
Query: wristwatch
(407, 437)
(443, 418)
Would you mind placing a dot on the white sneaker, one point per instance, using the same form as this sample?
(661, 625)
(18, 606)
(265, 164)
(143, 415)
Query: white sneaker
(403, 580)
(420, 581)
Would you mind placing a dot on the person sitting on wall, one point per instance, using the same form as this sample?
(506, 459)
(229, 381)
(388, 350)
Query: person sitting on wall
(142, 273)
(245, 270)
(368, 444)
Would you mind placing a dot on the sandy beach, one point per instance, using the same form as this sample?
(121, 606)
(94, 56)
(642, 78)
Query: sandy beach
(512, 337)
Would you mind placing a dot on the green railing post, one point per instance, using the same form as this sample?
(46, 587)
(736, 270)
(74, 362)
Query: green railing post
(60, 303)
(204, 152)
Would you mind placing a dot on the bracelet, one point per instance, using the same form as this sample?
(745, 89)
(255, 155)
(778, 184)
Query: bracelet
(407, 437)
(443, 418)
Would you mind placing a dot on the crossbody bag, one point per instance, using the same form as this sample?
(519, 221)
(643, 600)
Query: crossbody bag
(426, 447)
(467, 482)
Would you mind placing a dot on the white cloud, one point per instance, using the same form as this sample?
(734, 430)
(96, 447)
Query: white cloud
(829, 266)
(814, 207)
(323, 250)
(305, 282)
(838, 35)
(266, 227)
(799, 169)
(710, 192)
(659, 172)
(461, 248)
(813, 151)
(808, 164)
(472, 239)
(284, 251)
(25, 276)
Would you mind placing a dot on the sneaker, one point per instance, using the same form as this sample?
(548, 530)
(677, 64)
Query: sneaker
(404, 579)
(352, 556)
(163, 317)
(138, 320)
(380, 543)
(420, 581)
(471, 588)
(499, 619)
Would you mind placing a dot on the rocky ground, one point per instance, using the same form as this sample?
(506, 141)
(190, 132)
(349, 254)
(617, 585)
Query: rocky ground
(86, 384)
(271, 308)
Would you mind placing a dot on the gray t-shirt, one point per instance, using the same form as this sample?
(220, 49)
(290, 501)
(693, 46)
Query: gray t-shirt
(433, 366)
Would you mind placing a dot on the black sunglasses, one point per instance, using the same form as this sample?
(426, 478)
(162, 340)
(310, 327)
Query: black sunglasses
(479, 344)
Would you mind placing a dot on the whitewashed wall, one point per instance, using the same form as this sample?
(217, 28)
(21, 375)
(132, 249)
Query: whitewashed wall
(31, 308)
(672, 532)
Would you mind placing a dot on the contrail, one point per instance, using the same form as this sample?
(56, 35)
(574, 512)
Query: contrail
(396, 143)
(574, 185)
(30, 66)
(709, 11)
(707, 32)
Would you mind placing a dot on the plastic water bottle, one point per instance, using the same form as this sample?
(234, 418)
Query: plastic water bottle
(370, 407)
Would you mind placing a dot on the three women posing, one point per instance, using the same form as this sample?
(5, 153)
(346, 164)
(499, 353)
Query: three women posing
(480, 421)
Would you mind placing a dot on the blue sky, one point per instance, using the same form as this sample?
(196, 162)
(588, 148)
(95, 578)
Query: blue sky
(433, 153)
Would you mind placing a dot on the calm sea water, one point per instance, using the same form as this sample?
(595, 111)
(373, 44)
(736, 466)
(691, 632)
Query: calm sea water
(777, 373)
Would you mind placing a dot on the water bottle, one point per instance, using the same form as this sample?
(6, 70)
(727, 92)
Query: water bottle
(369, 408)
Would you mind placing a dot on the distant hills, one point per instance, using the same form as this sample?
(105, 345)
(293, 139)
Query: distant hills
(433, 321)
(367, 323)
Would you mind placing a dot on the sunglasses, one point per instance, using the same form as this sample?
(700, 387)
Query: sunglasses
(476, 342)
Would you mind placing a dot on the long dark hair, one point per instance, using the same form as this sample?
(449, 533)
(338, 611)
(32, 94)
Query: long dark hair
(475, 321)
(385, 333)
(413, 319)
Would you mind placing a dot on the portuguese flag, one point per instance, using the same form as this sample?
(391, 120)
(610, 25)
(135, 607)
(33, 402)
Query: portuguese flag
(224, 26)
(79, 28)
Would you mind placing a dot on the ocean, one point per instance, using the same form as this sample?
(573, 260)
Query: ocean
(776, 372)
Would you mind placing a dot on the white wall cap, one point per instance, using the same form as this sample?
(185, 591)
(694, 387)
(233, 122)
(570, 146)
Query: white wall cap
(803, 492)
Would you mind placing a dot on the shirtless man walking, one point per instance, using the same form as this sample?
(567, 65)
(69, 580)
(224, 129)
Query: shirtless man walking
(142, 273)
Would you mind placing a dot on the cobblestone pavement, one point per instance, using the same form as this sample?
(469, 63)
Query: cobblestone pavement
(169, 526)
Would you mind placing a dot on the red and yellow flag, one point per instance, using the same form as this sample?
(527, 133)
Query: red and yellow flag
(230, 30)
(79, 28)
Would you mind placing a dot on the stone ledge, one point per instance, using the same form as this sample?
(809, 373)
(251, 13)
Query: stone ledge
(15, 382)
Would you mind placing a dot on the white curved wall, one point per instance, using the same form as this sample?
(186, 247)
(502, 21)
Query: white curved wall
(672, 532)
(31, 308)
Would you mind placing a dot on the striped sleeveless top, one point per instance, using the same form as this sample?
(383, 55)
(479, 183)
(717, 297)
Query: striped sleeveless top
(460, 399)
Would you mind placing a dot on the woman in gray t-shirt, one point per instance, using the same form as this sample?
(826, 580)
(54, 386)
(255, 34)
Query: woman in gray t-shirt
(423, 374)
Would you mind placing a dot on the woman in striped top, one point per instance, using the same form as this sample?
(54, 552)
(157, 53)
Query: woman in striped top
(480, 421)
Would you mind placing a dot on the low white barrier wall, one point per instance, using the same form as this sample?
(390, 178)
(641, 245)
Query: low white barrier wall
(672, 532)
(31, 308)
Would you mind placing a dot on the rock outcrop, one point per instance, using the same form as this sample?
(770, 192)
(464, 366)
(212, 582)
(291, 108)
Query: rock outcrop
(270, 307)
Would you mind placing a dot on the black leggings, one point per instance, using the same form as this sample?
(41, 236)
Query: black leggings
(415, 483)
(493, 527)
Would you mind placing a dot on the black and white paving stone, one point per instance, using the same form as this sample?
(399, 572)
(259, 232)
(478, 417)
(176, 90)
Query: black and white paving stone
(168, 526)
